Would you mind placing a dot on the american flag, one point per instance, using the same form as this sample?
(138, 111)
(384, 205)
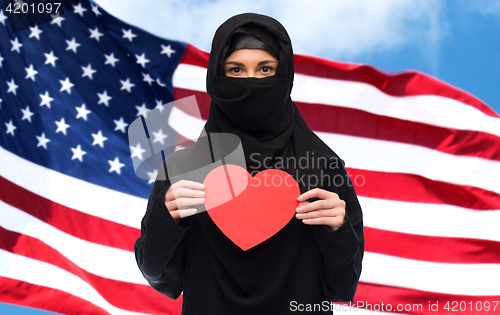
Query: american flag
(424, 158)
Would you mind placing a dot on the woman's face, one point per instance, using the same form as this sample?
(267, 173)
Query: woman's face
(245, 63)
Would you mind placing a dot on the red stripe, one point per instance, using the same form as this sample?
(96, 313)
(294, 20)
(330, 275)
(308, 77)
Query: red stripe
(403, 84)
(31, 295)
(123, 295)
(415, 188)
(70, 221)
(359, 123)
(378, 294)
(432, 248)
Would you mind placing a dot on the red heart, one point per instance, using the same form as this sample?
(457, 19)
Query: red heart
(250, 210)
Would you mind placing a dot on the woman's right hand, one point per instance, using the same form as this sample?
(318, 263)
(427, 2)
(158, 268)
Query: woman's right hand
(181, 195)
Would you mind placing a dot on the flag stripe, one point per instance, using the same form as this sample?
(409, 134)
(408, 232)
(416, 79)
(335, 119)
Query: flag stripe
(430, 219)
(377, 294)
(69, 220)
(130, 297)
(415, 188)
(448, 278)
(111, 263)
(431, 248)
(39, 273)
(379, 127)
(42, 297)
(105, 203)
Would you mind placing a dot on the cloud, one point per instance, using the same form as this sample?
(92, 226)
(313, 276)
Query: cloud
(486, 7)
(329, 29)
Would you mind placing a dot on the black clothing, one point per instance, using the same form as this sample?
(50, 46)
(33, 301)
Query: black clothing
(300, 263)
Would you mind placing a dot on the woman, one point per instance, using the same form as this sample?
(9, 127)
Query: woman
(316, 257)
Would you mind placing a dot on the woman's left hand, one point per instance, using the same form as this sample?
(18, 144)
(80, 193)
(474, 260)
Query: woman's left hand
(328, 211)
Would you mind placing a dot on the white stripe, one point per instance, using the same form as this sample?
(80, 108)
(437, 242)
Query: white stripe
(428, 109)
(461, 279)
(430, 219)
(386, 156)
(39, 273)
(103, 261)
(71, 192)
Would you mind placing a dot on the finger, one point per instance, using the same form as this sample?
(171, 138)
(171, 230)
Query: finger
(188, 184)
(317, 192)
(183, 203)
(321, 204)
(303, 203)
(183, 192)
(335, 212)
(179, 214)
(333, 223)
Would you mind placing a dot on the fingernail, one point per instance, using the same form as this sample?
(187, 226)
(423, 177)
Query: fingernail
(299, 209)
(202, 186)
(201, 193)
(193, 211)
(299, 198)
(201, 199)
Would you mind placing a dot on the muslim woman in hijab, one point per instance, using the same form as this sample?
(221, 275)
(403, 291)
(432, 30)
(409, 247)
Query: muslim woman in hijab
(316, 257)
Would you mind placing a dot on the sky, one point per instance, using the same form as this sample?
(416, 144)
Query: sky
(456, 41)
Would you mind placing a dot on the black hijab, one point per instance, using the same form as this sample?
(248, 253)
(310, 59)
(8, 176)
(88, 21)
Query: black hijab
(261, 113)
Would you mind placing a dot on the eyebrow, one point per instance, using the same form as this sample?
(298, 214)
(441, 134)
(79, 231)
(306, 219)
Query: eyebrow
(263, 62)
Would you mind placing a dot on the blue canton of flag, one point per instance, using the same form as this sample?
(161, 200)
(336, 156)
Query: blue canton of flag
(69, 89)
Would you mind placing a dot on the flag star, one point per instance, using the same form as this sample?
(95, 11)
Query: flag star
(61, 126)
(104, 98)
(35, 32)
(147, 78)
(58, 20)
(82, 112)
(120, 125)
(66, 85)
(152, 176)
(10, 127)
(79, 9)
(115, 165)
(142, 60)
(128, 34)
(142, 110)
(159, 136)
(88, 71)
(78, 153)
(99, 139)
(30, 73)
(42, 141)
(12, 87)
(95, 9)
(1, 60)
(95, 33)
(46, 99)
(51, 58)
(167, 50)
(27, 114)
(126, 85)
(159, 106)
(16, 45)
(111, 59)
(2, 17)
(137, 151)
(72, 45)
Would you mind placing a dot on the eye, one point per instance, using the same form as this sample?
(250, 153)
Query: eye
(235, 70)
(267, 70)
